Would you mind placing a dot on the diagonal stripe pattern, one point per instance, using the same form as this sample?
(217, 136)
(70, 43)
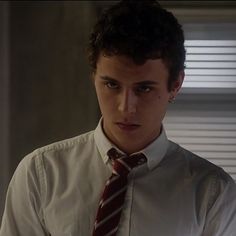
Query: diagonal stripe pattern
(111, 204)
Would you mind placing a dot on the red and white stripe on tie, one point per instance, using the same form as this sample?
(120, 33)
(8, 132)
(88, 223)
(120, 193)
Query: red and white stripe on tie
(111, 204)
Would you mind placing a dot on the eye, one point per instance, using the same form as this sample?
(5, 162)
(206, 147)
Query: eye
(111, 85)
(144, 89)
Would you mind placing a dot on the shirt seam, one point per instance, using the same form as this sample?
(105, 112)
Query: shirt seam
(40, 172)
(42, 184)
(64, 144)
(212, 191)
(131, 207)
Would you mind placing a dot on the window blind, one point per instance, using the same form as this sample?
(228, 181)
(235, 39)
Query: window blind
(211, 134)
(210, 64)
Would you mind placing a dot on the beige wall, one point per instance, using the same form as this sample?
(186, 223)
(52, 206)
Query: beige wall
(4, 103)
(46, 93)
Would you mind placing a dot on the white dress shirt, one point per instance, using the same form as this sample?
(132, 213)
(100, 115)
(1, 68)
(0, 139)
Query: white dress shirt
(56, 190)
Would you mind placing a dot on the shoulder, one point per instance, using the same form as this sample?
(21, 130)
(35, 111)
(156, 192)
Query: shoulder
(57, 153)
(67, 144)
(197, 166)
(53, 161)
(210, 182)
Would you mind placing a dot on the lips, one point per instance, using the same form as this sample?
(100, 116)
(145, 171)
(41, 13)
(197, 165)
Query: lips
(127, 126)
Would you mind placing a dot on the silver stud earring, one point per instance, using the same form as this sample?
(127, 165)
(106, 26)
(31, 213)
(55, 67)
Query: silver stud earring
(172, 99)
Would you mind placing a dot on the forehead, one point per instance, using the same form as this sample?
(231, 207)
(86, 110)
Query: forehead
(119, 66)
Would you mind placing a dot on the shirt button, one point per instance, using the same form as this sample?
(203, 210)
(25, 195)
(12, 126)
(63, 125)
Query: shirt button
(141, 161)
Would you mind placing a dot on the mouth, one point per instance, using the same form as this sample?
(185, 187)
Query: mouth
(127, 126)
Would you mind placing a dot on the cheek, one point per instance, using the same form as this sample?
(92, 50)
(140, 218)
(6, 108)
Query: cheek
(163, 98)
(106, 103)
(156, 106)
(157, 100)
(101, 96)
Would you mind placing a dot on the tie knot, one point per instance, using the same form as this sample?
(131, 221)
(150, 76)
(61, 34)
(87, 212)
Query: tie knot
(123, 164)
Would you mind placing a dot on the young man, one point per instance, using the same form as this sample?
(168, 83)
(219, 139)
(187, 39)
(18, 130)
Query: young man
(126, 177)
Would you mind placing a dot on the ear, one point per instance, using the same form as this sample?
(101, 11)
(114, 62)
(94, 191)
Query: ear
(176, 86)
(92, 76)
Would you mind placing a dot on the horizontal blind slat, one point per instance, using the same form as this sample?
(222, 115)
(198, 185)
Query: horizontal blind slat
(210, 85)
(200, 133)
(196, 119)
(210, 64)
(217, 155)
(209, 57)
(209, 78)
(210, 43)
(200, 147)
(217, 72)
(208, 140)
(201, 126)
(211, 50)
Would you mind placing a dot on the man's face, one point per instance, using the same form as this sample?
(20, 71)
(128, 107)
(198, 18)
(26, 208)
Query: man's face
(133, 100)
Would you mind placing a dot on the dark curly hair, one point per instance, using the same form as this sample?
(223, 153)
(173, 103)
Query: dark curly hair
(140, 30)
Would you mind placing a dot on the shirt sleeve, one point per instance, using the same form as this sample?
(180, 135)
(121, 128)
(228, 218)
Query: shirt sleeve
(23, 214)
(221, 218)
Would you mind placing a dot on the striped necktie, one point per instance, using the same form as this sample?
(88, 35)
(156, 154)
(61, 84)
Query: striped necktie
(111, 204)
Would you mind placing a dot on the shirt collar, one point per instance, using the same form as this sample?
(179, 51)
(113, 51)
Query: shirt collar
(154, 152)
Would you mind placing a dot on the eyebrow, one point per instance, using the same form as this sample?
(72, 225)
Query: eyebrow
(108, 78)
(145, 82)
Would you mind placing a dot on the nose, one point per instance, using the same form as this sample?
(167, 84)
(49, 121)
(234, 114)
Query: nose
(127, 101)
